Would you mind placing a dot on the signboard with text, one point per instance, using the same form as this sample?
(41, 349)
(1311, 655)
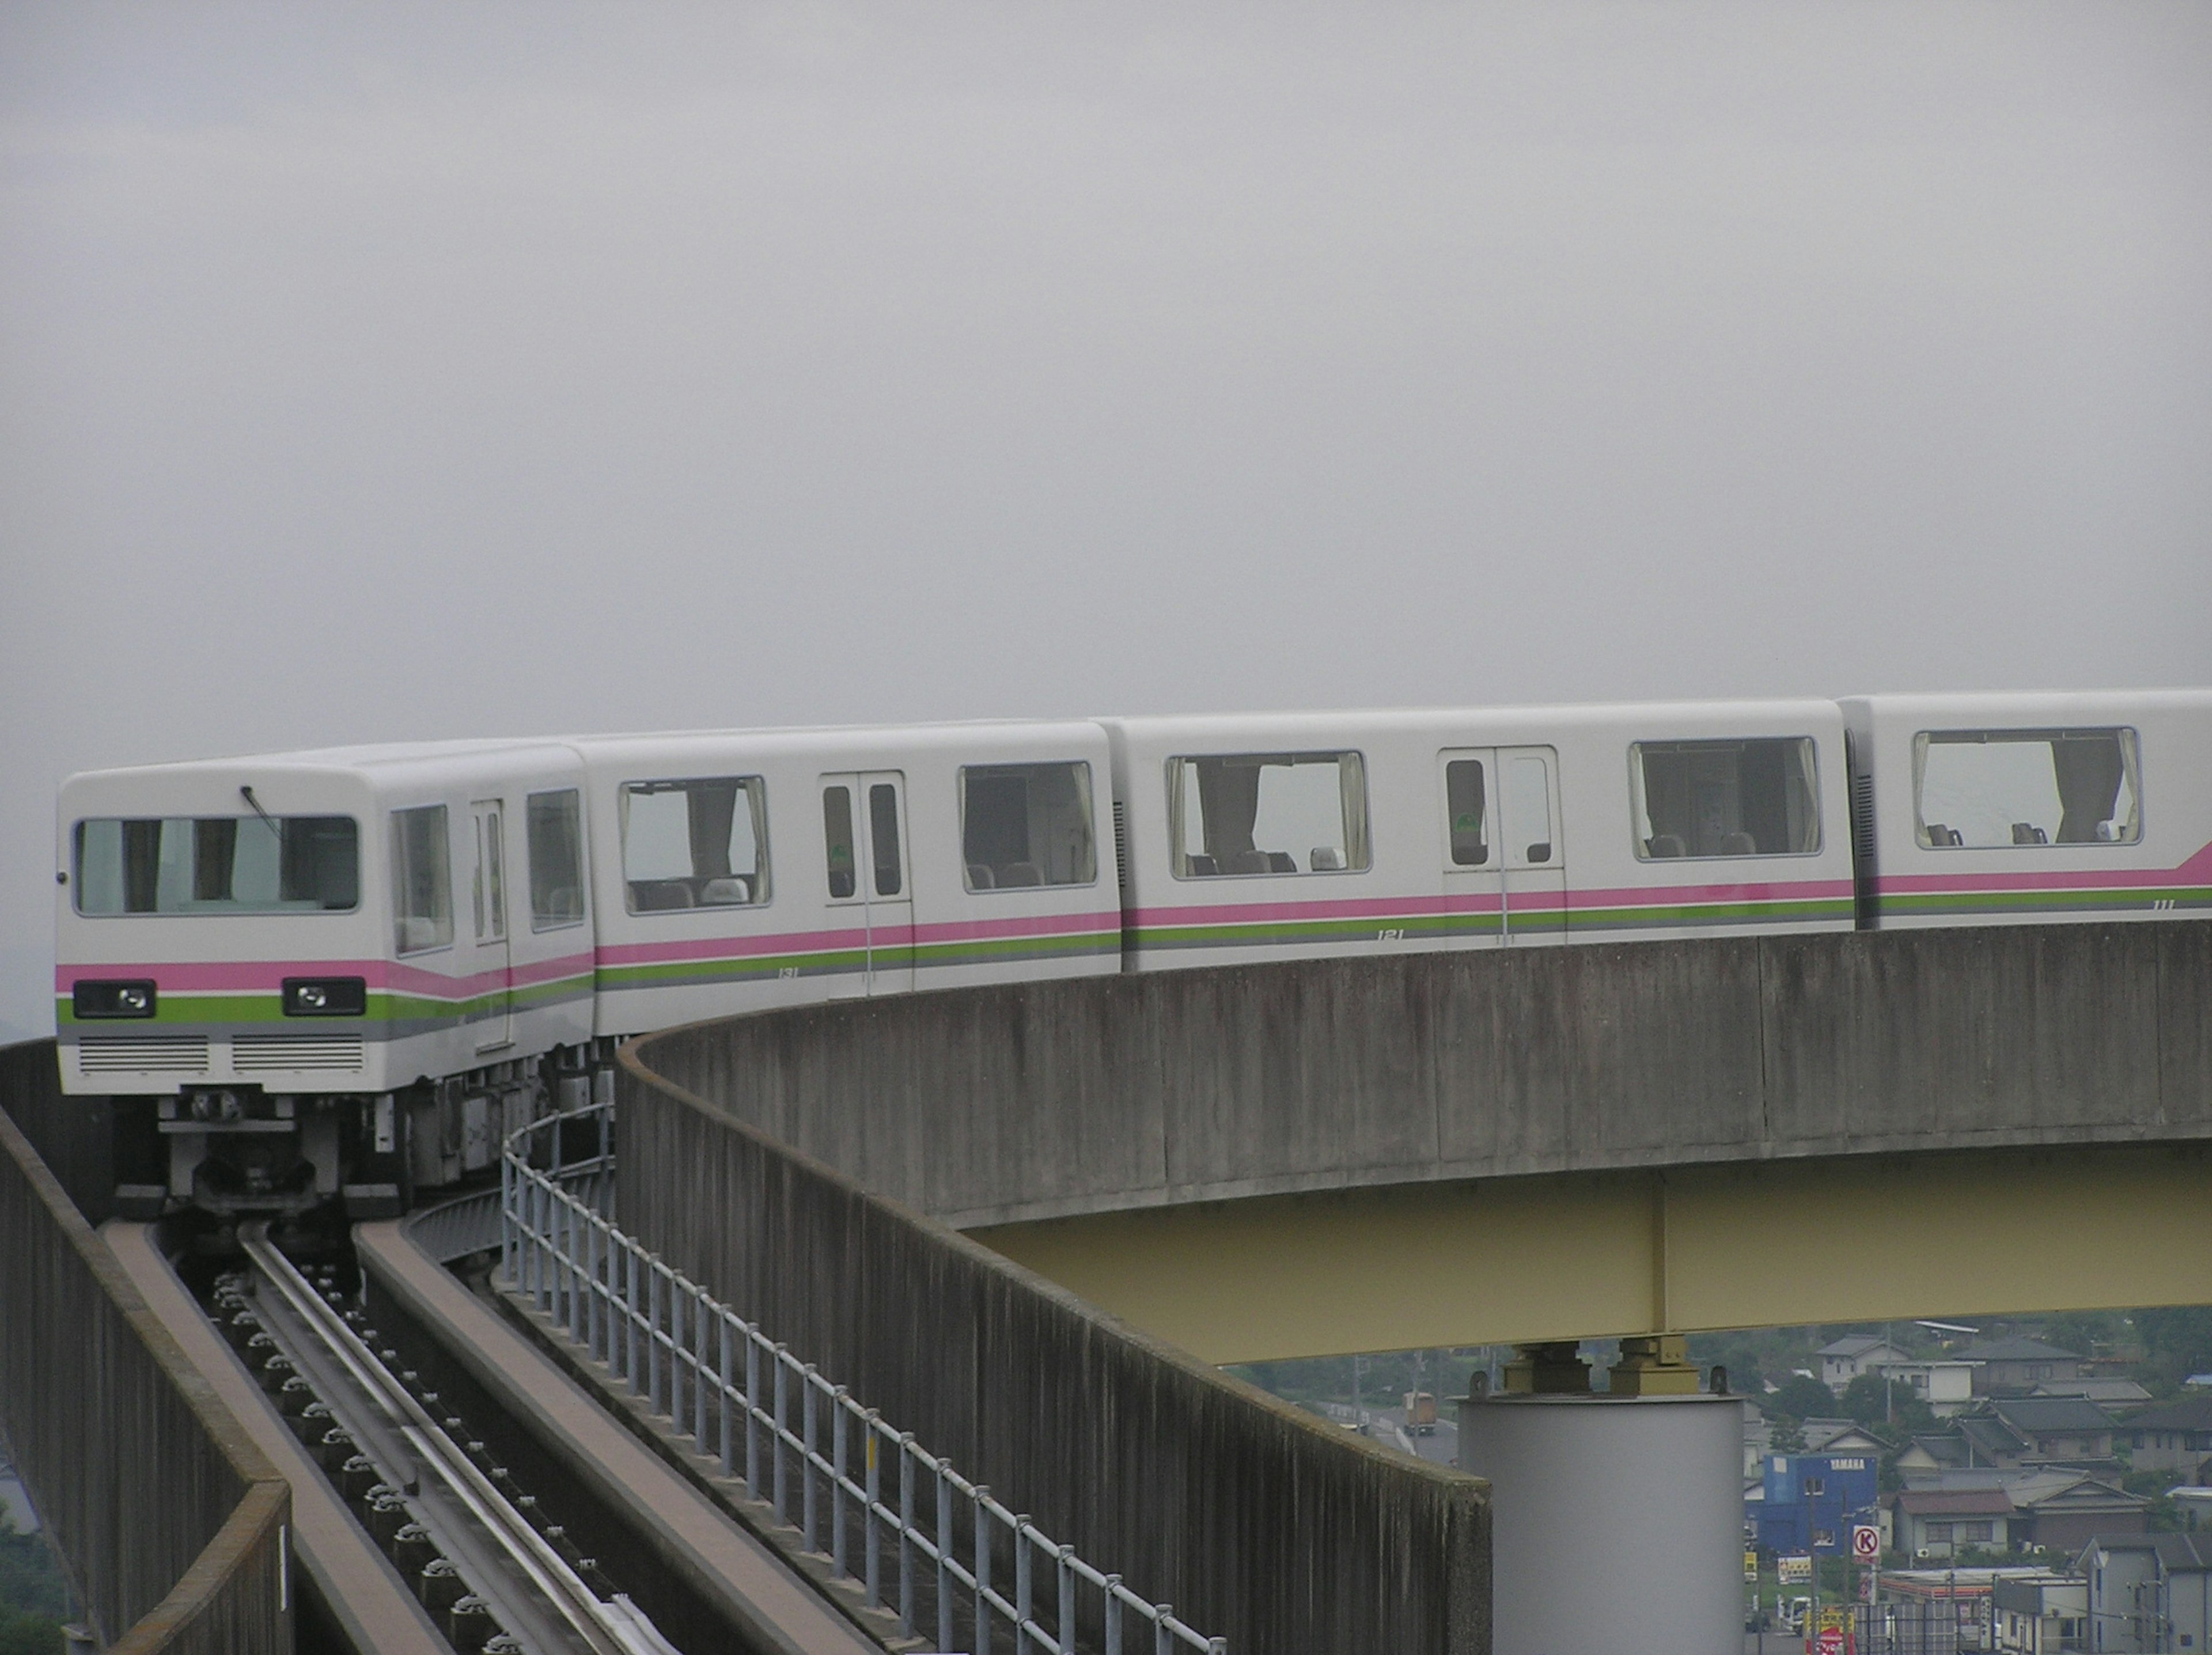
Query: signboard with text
(1866, 1543)
(1793, 1570)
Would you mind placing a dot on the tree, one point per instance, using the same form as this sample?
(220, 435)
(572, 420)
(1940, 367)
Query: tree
(1895, 1410)
(1802, 1397)
(2178, 1341)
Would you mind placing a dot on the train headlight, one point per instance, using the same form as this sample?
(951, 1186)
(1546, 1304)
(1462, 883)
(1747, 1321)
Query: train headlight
(111, 997)
(325, 997)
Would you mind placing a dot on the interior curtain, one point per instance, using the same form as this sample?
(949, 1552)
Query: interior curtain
(1919, 778)
(1804, 798)
(2088, 770)
(142, 866)
(713, 807)
(214, 849)
(1352, 781)
(1229, 797)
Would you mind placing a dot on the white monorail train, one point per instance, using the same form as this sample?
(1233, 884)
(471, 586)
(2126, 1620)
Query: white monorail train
(342, 974)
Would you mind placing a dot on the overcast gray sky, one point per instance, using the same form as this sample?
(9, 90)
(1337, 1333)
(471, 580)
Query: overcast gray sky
(398, 372)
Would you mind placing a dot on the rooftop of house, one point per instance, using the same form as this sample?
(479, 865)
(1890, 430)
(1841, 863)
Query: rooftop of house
(2019, 1348)
(1954, 1502)
(1855, 1344)
(2039, 1415)
(2106, 1393)
(2177, 1554)
(2182, 1413)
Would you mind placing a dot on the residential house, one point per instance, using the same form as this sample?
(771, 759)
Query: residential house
(1809, 1501)
(2148, 1591)
(1946, 1384)
(2108, 1392)
(2018, 1365)
(2040, 1614)
(2056, 1507)
(2062, 1510)
(2175, 1436)
(2070, 1430)
(1842, 1437)
(1933, 1523)
(1758, 1440)
(1845, 1359)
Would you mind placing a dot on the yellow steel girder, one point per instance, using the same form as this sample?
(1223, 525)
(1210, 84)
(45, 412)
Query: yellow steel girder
(1575, 1255)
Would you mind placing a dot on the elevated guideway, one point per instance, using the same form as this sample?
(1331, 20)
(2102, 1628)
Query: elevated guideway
(1538, 1144)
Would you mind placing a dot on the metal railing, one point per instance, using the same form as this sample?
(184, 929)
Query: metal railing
(861, 1492)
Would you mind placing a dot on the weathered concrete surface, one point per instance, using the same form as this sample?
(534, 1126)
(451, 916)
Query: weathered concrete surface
(168, 1513)
(1258, 1522)
(994, 1106)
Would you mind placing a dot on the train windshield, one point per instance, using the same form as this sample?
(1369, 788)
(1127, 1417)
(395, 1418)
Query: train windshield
(218, 865)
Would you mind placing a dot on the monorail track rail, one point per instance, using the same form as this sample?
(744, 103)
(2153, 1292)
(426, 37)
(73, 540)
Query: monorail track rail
(539, 1598)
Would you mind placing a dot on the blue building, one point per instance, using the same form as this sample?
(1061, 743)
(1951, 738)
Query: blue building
(1811, 1501)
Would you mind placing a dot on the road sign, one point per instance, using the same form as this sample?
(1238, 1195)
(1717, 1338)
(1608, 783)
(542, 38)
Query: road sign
(1866, 1543)
(1830, 1642)
(1793, 1571)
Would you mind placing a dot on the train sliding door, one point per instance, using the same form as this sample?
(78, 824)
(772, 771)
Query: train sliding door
(491, 995)
(864, 840)
(1503, 856)
(1535, 849)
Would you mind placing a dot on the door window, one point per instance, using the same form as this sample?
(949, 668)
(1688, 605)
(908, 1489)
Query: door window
(837, 840)
(883, 836)
(1466, 812)
(1528, 811)
(487, 891)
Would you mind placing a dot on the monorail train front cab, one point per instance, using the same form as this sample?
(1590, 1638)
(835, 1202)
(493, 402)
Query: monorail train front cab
(2032, 809)
(320, 976)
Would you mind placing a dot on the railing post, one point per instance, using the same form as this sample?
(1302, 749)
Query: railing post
(906, 1534)
(1021, 1582)
(699, 1367)
(868, 1525)
(983, 1573)
(629, 1320)
(838, 1410)
(1162, 1639)
(782, 1429)
(1067, 1600)
(752, 1414)
(675, 1296)
(806, 1456)
(1113, 1614)
(652, 1338)
(507, 1214)
(729, 1454)
(943, 1560)
(544, 1229)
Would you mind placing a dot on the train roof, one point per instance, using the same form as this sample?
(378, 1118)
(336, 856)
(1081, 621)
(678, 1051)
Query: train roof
(1656, 718)
(2025, 707)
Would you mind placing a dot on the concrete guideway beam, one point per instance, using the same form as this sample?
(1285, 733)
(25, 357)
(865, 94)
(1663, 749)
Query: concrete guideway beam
(1577, 1255)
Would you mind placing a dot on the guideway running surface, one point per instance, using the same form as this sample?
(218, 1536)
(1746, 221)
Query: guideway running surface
(780, 1612)
(533, 1592)
(371, 1603)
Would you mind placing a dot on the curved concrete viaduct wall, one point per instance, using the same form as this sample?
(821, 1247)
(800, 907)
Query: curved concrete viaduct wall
(998, 1105)
(1259, 1522)
(169, 1517)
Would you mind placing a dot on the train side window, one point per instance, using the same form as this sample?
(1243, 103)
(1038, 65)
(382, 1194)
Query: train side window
(1024, 826)
(218, 865)
(1756, 797)
(1465, 813)
(1984, 789)
(695, 842)
(837, 840)
(1240, 814)
(422, 880)
(554, 827)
